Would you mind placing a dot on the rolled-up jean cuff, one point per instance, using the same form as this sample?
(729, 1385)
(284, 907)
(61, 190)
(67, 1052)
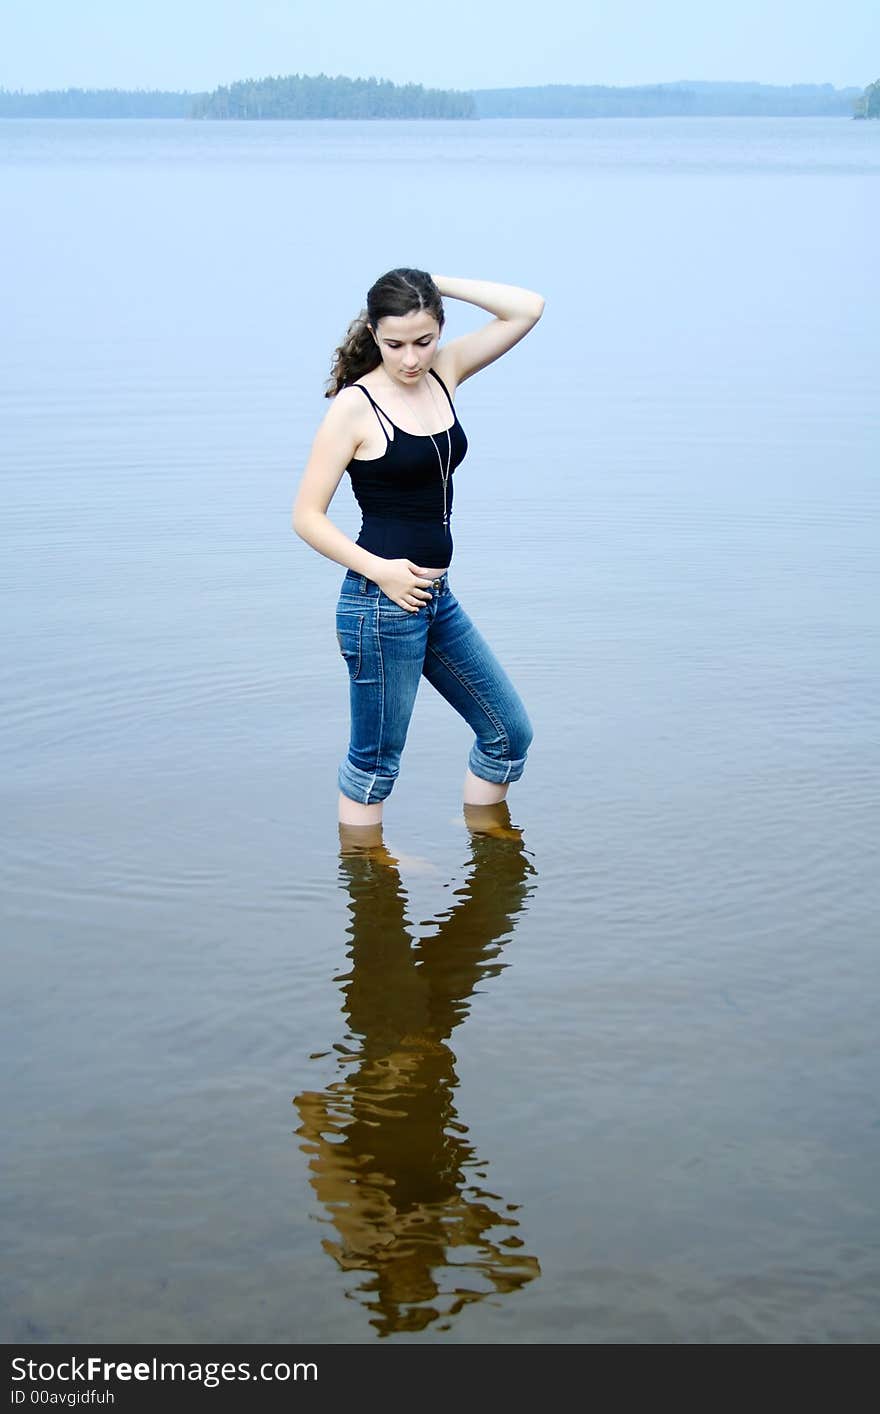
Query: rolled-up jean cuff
(366, 787)
(499, 772)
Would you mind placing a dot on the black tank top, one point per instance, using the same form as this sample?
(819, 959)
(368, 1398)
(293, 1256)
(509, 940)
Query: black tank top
(401, 493)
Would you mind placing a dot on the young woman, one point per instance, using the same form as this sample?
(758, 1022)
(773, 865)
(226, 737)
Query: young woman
(393, 427)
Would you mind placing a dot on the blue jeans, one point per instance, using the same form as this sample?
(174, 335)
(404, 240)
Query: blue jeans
(388, 650)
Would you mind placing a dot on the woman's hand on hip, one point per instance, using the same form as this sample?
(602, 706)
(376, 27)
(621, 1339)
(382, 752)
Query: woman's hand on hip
(405, 583)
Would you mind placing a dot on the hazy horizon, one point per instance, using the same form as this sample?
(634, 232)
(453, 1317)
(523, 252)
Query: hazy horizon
(476, 88)
(501, 44)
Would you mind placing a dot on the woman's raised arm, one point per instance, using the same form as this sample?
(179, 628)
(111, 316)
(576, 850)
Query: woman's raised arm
(516, 311)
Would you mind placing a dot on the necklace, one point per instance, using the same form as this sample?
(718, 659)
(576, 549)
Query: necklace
(444, 472)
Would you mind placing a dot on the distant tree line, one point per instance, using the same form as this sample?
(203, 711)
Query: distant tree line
(299, 96)
(868, 104)
(95, 103)
(672, 100)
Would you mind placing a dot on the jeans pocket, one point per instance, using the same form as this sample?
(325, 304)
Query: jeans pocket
(388, 610)
(349, 636)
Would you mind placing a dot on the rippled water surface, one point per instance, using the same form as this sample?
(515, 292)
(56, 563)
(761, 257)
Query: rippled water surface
(602, 1069)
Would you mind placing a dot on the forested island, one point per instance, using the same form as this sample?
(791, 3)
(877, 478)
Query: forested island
(299, 96)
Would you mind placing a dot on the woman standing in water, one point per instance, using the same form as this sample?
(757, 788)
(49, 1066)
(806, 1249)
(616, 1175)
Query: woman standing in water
(393, 427)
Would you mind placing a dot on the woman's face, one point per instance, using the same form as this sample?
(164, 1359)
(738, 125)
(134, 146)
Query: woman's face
(408, 345)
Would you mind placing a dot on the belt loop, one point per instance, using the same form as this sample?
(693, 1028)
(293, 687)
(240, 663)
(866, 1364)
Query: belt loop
(363, 584)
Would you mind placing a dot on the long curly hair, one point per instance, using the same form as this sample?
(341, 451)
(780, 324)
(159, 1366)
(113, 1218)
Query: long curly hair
(398, 292)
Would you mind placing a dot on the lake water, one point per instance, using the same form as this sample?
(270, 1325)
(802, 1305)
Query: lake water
(608, 1077)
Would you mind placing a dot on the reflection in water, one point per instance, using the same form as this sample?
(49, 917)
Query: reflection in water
(390, 1159)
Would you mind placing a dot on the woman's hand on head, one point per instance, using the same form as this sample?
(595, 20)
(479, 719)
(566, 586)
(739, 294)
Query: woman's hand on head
(405, 583)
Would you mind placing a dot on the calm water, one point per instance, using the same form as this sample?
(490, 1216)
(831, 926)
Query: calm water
(608, 1077)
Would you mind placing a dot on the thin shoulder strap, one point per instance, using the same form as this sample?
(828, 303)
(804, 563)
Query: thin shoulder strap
(376, 409)
(442, 385)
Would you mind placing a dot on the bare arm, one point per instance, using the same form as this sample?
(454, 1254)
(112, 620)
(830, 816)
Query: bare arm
(333, 448)
(516, 311)
(336, 442)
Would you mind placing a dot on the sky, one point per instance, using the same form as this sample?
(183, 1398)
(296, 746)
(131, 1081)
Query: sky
(200, 44)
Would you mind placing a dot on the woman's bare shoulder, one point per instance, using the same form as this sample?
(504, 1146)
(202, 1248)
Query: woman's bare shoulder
(347, 406)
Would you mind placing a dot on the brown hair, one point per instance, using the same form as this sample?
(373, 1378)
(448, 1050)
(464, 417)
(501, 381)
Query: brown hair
(399, 292)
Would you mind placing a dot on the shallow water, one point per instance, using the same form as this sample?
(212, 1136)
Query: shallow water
(607, 1076)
